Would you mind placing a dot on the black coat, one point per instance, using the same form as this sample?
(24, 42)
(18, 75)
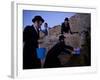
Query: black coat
(52, 60)
(65, 29)
(30, 43)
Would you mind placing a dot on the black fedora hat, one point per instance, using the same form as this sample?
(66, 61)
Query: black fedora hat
(66, 19)
(37, 18)
(62, 37)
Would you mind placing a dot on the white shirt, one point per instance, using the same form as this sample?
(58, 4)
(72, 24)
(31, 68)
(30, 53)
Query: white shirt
(35, 28)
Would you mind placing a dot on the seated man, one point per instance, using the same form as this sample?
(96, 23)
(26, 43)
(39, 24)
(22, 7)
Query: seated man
(52, 59)
(65, 27)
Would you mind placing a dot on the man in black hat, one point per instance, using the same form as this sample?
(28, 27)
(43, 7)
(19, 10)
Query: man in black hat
(65, 27)
(53, 56)
(30, 40)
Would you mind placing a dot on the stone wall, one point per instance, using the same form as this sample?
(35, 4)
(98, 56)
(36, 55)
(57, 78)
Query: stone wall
(78, 23)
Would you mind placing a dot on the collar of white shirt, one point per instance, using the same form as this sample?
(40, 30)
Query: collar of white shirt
(35, 28)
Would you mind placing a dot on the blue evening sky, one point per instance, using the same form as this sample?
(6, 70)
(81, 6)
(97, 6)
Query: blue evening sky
(51, 17)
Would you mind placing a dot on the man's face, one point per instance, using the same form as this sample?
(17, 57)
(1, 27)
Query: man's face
(65, 22)
(38, 24)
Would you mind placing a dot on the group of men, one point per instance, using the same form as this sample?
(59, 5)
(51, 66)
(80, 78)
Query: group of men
(30, 41)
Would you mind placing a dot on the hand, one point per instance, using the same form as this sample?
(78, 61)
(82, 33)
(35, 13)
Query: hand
(40, 41)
